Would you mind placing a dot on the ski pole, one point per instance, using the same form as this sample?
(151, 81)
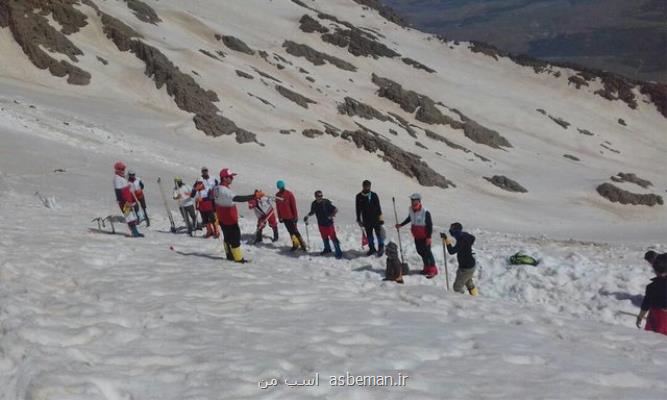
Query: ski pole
(307, 236)
(443, 235)
(400, 246)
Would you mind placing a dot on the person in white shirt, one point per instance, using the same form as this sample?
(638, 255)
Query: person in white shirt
(186, 204)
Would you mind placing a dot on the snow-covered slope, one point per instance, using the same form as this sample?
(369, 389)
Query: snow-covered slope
(90, 316)
(497, 94)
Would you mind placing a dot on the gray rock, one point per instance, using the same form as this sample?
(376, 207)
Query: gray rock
(632, 178)
(352, 107)
(571, 157)
(416, 64)
(506, 183)
(440, 138)
(618, 195)
(236, 44)
(312, 133)
(299, 99)
(407, 163)
(244, 74)
(309, 24)
(143, 11)
(316, 57)
(482, 135)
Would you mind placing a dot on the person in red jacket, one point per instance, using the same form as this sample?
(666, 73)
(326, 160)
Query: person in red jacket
(228, 215)
(422, 228)
(288, 215)
(124, 198)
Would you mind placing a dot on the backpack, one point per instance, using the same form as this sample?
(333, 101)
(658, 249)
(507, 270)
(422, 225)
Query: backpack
(523, 259)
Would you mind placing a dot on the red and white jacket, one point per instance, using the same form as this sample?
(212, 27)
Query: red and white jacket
(422, 226)
(224, 205)
(122, 189)
(137, 187)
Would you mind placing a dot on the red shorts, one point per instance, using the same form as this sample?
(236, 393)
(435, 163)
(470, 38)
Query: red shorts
(328, 232)
(657, 321)
(271, 221)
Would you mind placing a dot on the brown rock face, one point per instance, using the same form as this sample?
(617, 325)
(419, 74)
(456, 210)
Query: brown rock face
(618, 195)
(506, 183)
(31, 29)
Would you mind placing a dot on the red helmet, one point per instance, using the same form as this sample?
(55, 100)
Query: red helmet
(226, 173)
(119, 166)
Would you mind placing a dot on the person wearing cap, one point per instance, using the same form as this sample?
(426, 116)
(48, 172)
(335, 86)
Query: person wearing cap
(124, 197)
(262, 205)
(464, 256)
(288, 215)
(422, 229)
(202, 192)
(369, 217)
(228, 215)
(325, 212)
(650, 257)
(655, 299)
(137, 186)
(186, 204)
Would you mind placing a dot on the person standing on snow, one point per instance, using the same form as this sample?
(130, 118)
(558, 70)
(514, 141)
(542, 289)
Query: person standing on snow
(124, 198)
(325, 212)
(422, 229)
(655, 299)
(186, 204)
(369, 217)
(465, 257)
(203, 194)
(137, 187)
(228, 215)
(262, 205)
(288, 215)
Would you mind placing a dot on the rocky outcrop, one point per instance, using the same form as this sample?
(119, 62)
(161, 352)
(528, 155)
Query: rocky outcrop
(440, 138)
(299, 99)
(387, 12)
(506, 183)
(632, 178)
(352, 107)
(564, 124)
(143, 11)
(312, 133)
(407, 163)
(309, 24)
(618, 195)
(585, 132)
(316, 57)
(185, 91)
(244, 74)
(235, 44)
(571, 157)
(32, 31)
(417, 65)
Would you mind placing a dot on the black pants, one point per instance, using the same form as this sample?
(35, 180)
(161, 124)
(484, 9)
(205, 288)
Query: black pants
(378, 235)
(425, 252)
(189, 216)
(291, 228)
(207, 217)
(231, 235)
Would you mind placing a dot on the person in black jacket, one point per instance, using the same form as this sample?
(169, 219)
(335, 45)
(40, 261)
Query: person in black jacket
(655, 299)
(369, 217)
(465, 257)
(325, 212)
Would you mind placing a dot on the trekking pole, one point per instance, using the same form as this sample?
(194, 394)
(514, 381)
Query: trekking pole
(443, 235)
(400, 245)
(307, 236)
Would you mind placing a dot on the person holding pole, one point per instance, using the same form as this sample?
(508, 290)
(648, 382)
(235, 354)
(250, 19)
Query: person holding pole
(422, 228)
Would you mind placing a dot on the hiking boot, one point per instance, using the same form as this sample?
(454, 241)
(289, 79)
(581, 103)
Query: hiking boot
(473, 291)
(380, 252)
(275, 234)
(370, 251)
(325, 251)
(258, 237)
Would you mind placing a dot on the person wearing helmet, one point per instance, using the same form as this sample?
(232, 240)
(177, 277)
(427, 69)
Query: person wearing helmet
(288, 215)
(422, 229)
(464, 256)
(137, 187)
(228, 215)
(325, 212)
(124, 198)
(186, 204)
(202, 192)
